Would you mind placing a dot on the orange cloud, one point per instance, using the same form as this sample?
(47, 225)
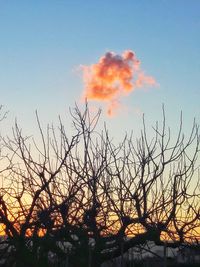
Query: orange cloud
(113, 77)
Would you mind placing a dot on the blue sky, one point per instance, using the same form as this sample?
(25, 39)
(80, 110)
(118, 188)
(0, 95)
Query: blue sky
(43, 43)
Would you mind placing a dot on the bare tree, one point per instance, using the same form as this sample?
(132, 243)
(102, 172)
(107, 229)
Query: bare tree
(88, 200)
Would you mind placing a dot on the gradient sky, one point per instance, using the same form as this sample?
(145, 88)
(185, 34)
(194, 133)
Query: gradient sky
(43, 43)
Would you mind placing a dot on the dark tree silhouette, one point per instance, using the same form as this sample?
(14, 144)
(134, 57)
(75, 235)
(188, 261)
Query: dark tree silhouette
(86, 200)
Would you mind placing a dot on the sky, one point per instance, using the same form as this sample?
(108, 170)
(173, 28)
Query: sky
(46, 46)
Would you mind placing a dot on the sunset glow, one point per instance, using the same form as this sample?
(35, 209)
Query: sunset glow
(99, 133)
